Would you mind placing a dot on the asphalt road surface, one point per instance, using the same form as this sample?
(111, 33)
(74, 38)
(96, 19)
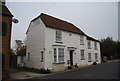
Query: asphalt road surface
(102, 71)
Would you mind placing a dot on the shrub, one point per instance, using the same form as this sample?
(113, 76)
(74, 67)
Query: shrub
(69, 67)
(44, 71)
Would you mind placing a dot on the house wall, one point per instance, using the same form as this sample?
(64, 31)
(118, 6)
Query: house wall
(93, 51)
(68, 41)
(41, 38)
(35, 43)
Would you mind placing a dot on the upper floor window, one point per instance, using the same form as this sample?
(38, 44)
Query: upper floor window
(82, 55)
(58, 36)
(89, 44)
(95, 45)
(81, 40)
(35, 22)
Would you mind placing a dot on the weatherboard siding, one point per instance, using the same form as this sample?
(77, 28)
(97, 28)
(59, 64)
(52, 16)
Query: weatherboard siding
(35, 43)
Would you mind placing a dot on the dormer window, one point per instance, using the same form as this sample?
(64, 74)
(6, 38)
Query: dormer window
(81, 40)
(58, 36)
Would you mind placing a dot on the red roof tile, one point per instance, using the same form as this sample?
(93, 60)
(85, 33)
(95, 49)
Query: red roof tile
(53, 22)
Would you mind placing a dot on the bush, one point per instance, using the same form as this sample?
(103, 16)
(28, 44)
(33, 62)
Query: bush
(69, 67)
(43, 71)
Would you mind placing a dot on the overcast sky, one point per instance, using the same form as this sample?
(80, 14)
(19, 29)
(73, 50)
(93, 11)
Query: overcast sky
(96, 19)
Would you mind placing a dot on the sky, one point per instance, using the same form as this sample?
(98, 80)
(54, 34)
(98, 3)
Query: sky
(97, 19)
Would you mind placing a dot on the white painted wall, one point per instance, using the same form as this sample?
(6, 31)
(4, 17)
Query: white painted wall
(68, 41)
(35, 43)
(20, 62)
(40, 37)
(93, 51)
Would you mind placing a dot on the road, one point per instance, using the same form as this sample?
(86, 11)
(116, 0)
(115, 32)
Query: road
(102, 71)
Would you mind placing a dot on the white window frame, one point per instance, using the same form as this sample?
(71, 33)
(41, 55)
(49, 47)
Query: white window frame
(96, 56)
(89, 44)
(59, 55)
(95, 45)
(82, 54)
(58, 36)
(55, 55)
(89, 57)
(42, 57)
(81, 40)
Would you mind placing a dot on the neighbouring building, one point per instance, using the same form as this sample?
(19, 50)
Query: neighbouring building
(55, 44)
(5, 38)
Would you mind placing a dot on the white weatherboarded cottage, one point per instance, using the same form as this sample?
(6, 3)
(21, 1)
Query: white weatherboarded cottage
(54, 44)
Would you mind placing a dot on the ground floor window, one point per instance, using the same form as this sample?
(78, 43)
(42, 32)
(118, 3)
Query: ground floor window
(96, 57)
(82, 55)
(41, 56)
(89, 57)
(58, 55)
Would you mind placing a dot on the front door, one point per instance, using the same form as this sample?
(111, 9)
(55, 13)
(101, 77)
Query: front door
(71, 57)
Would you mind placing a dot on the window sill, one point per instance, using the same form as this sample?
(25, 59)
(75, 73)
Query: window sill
(81, 44)
(59, 63)
(83, 59)
(89, 61)
(89, 48)
(58, 42)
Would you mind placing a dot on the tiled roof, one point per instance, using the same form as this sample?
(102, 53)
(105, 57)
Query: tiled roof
(5, 11)
(53, 22)
(56, 23)
(90, 38)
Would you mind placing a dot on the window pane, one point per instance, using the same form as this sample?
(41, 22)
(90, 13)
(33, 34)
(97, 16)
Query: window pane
(95, 44)
(81, 40)
(58, 36)
(96, 56)
(41, 56)
(89, 44)
(82, 54)
(55, 56)
(89, 56)
(60, 54)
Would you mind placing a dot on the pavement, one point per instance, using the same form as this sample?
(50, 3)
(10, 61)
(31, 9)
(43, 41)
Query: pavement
(16, 74)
